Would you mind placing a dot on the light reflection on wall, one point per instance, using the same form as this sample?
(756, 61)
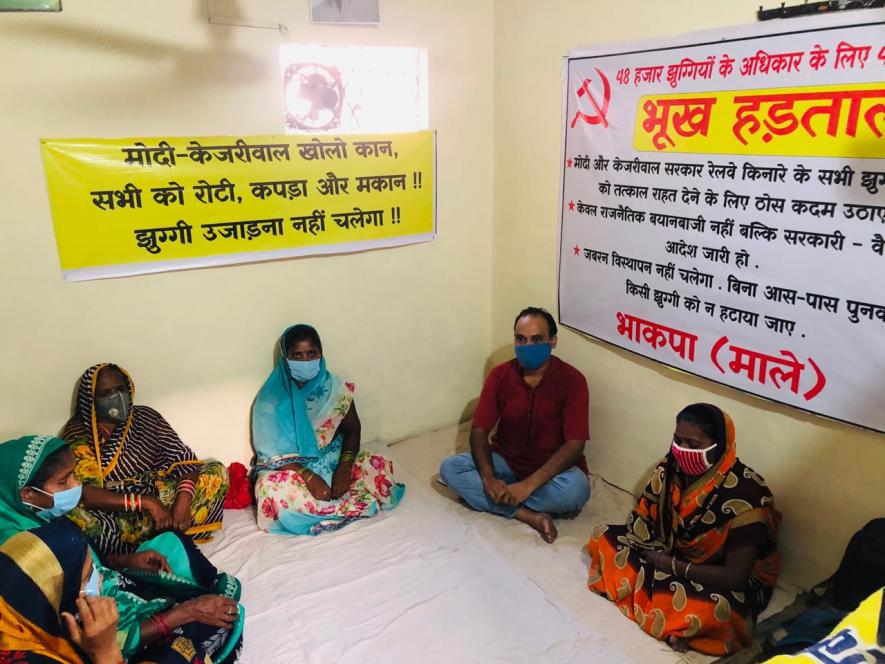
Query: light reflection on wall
(354, 89)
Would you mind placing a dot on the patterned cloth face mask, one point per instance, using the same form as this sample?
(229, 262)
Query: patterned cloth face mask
(692, 462)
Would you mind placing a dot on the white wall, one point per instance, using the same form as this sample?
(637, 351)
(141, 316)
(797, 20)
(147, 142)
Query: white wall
(826, 476)
(199, 343)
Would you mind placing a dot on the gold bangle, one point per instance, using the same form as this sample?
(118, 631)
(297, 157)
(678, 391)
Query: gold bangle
(673, 565)
(687, 568)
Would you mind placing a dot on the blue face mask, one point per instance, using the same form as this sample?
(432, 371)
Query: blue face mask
(62, 502)
(93, 585)
(304, 370)
(532, 356)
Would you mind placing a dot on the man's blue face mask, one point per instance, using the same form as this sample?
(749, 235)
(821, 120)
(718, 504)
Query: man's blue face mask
(532, 356)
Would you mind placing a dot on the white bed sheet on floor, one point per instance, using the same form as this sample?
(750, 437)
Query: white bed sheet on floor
(416, 585)
(431, 582)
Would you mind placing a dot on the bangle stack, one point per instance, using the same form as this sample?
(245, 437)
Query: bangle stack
(160, 623)
(132, 502)
(306, 475)
(186, 486)
(347, 457)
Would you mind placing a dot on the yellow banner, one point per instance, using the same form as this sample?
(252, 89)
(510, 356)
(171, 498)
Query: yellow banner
(846, 120)
(136, 205)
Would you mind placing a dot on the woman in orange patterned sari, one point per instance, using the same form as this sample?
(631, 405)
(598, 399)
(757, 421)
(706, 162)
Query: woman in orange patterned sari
(696, 562)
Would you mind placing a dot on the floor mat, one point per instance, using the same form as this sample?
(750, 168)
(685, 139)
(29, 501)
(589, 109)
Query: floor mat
(430, 582)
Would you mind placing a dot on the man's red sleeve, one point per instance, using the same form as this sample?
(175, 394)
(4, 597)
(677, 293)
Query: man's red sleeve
(486, 416)
(576, 412)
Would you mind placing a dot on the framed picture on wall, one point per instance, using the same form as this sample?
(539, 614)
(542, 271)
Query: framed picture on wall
(30, 5)
(352, 12)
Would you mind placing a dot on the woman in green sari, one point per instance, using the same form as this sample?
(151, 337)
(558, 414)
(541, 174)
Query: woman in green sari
(173, 605)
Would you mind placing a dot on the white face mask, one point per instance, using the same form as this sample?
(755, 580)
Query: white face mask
(93, 585)
(692, 462)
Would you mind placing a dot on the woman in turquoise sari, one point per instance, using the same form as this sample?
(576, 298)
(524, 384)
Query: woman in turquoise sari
(310, 473)
(173, 604)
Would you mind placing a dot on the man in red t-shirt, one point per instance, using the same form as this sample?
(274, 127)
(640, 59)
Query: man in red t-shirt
(534, 470)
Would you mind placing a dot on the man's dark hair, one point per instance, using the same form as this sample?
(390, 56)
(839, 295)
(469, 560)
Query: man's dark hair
(298, 333)
(542, 313)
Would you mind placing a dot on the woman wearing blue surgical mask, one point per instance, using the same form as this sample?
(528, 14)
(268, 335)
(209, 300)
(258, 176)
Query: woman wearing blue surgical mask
(37, 484)
(311, 475)
(52, 491)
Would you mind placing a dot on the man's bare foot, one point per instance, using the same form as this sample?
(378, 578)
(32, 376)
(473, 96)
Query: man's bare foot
(539, 521)
(677, 644)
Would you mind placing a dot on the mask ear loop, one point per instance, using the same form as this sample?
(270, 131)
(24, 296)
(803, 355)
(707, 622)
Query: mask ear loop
(706, 451)
(32, 505)
(689, 449)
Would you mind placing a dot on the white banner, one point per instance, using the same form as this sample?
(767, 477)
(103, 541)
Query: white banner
(723, 207)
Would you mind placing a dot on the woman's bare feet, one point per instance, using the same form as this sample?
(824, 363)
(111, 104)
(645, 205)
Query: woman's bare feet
(539, 521)
(677, 644)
